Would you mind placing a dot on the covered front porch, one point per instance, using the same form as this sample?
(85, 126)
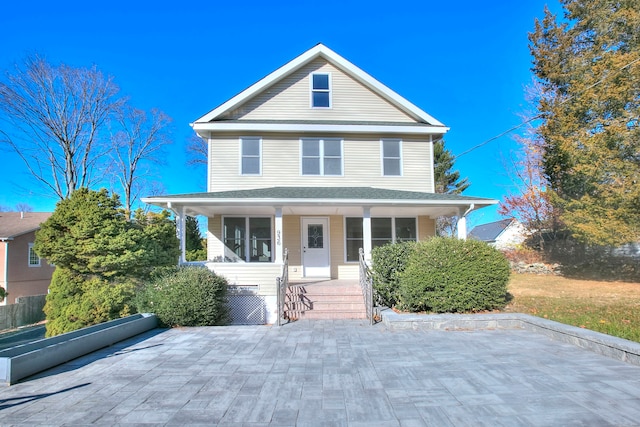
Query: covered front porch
(323, 229)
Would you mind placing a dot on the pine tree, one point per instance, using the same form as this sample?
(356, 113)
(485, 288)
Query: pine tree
(447, 181)
(588, 64)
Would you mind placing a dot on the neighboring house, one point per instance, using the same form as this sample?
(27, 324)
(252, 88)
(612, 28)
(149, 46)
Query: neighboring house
(22, 271)
(503, 234)
(322, 159)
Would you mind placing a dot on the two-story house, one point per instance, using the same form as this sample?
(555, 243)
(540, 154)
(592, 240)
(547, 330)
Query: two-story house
(322, 159)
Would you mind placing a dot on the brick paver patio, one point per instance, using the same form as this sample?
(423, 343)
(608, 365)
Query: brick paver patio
(331, 373)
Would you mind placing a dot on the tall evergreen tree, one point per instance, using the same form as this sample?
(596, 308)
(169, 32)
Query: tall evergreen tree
(588, 64)
(447, 181)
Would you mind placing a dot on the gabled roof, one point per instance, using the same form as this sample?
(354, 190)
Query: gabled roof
(321, 51)
(489, 232)
(14, 224)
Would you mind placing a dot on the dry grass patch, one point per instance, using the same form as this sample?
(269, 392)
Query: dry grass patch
(609, 307)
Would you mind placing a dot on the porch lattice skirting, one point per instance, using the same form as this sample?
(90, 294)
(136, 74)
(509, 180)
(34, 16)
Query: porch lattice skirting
(247, 308)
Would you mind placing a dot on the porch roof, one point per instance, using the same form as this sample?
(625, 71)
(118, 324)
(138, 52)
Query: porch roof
(320, 200)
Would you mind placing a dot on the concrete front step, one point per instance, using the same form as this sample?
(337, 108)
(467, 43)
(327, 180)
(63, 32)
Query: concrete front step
(325, 297)
(325, 300)
(332, 314)
(326, 305)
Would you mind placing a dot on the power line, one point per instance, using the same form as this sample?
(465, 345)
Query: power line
(493, 138)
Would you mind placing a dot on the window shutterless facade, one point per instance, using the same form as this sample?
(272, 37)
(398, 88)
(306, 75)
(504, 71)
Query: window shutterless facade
(391, 157)
(251, 156)
(321, 90)
(383, 231)
(34, 259)
(247, 239)
(321, 156)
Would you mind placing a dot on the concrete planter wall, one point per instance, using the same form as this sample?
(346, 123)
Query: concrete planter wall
(24, 360)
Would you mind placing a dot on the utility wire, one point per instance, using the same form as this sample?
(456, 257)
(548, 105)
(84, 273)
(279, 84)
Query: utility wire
(500, 135)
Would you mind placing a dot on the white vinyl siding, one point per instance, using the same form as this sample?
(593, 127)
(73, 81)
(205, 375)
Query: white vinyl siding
(281, 165)
(391, 157)
(250, 156)
(288, 99)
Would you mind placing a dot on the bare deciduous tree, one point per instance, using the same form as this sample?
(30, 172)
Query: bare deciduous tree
(55, 115)
(136, 145)
(197, 150)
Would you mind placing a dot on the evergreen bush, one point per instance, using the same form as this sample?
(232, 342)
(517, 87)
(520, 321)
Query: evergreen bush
(388, 262)
(75, 301)
(448, 275)
(186, 296)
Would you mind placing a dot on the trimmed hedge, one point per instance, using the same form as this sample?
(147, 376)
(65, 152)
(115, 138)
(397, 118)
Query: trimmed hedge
(388, 262)
(186, 296)
(448, 275)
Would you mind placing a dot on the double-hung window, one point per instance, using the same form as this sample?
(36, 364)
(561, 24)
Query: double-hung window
(34, 259)
(391, 157)
(383, 231)
(250, 152)
(321, 90)
(247, 239)
(321, 156)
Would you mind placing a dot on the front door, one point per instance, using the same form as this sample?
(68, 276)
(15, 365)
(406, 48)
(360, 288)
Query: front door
(315, 247)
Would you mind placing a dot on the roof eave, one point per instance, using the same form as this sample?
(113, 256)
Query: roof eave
(203, 128)
(168, 202)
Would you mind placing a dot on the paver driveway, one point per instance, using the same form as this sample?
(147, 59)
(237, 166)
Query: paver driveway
(331, 373)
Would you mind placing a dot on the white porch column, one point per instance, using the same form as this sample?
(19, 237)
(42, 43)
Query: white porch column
(181, 232)
(279, 250)
(366, 233)
(462, 222)
(462, 227)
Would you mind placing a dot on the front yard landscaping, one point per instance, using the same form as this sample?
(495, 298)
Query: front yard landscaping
(609, 307)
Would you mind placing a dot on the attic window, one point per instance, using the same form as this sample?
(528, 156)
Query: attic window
(320, 90)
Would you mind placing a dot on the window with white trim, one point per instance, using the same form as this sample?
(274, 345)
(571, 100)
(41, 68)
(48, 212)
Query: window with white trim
(383, 231)
(247, 239)
(391, 157)
(321, 156)
(34, 259)
(250, 152)
(321, 90)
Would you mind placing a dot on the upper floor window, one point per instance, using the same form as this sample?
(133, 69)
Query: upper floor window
(321, 90)
(321, 156)
(251, 153)
(34, 259)
(391, 157)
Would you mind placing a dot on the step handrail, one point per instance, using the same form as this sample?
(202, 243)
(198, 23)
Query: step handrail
(282, 283)
(366, 283)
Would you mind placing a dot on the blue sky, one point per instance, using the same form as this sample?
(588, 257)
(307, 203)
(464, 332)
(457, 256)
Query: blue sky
(464, 62)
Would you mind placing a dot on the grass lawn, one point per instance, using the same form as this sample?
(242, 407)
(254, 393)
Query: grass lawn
(609, 307)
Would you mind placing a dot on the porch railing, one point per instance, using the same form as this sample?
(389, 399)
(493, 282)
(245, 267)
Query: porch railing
(366, 283)
(283, 284)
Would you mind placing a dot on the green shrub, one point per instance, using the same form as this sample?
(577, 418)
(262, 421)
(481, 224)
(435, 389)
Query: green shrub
(448, 275)
(186, 296)
(75, 301)
(388, 262)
